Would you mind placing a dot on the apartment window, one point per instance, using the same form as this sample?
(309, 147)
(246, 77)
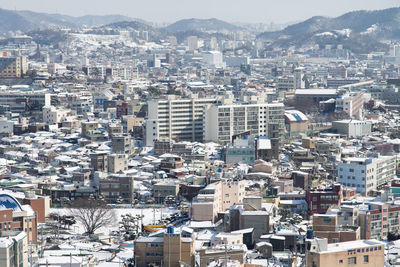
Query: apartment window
(352, 260)
(340, 261)
(327, 220)
(351, 170)
(366, 258)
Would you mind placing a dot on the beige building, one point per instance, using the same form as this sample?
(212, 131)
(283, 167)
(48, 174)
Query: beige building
(171, 249)
(117, 163)
(13, 67)
(217, 197)
(88, 128)
(220, 253)
(366, 253)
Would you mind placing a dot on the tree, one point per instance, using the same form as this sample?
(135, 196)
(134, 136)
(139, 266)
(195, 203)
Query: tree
(92, 214)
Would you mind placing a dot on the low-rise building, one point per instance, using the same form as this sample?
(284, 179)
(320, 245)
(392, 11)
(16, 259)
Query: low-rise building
(352, 253)
(170, 249)
(352, 128)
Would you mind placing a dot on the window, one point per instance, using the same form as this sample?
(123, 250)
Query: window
(327, 220)
(365, 258)
(340, 261)
(352, 260)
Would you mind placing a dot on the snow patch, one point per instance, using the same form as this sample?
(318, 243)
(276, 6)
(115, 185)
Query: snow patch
(325, 34)
(373, 28)
(344, 32)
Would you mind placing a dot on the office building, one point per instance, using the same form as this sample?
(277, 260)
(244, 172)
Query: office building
(20, 102)
(367, 174)
(13, 67)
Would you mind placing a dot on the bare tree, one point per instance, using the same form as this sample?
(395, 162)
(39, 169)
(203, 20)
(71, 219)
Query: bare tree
(92, 214)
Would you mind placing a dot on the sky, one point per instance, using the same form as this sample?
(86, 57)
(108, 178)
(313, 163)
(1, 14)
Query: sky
(167, 11)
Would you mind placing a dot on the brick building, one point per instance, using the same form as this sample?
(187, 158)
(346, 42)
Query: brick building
(320, 200)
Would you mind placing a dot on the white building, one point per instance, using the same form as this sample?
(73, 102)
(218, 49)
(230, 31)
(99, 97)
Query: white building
(351, 103)
(193, 42)
(352, 128)
(176, 119)
(13, 249)
(6, 127)
(21, 102)
(54, 115)
(223, 121)
(213, 59)
(366, 174)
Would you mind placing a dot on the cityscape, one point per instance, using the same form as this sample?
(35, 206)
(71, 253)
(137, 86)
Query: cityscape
(200, 142)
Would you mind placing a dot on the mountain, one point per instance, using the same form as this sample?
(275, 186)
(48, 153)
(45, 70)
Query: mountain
(352, 28)
(11, 21)
(28, 20)
(201, 25)
(381, 23)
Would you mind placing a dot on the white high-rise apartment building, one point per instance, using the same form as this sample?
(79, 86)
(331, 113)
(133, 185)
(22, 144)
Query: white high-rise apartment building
(221, 122)
(193, 42)
(366, 174)
(178, 119)
(213, 59)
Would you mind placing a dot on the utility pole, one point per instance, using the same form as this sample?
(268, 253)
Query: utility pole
(169, 252)
(30, 254)
(226, 253)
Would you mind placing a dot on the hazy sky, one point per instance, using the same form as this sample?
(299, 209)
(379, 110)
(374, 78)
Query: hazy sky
(230, 10)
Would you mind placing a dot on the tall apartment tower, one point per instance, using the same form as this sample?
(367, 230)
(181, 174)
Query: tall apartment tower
(222, 122)
(176, 119)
